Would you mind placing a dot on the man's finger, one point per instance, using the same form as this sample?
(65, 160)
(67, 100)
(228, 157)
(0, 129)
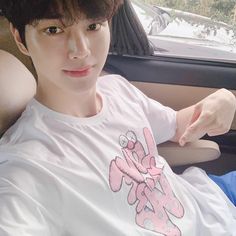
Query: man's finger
(195, 131)
(196, 114)
(191, 136)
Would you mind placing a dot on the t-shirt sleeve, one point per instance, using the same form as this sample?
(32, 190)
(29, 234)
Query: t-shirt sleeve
(21, 209)
(162, 119)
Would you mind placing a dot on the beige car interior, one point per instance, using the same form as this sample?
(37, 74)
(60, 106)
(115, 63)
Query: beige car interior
(12, 101)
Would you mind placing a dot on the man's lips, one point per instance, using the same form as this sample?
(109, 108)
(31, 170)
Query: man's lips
(80, 72)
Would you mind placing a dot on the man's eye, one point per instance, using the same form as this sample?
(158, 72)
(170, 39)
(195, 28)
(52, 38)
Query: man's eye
(52, 30)
(94, 27)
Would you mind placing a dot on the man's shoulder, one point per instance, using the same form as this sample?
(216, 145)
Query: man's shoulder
(21, 128)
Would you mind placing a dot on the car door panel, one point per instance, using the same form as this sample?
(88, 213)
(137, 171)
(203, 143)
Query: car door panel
(167, 70)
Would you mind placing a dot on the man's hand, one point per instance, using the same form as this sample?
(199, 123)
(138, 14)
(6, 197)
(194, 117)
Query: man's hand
(213, 116)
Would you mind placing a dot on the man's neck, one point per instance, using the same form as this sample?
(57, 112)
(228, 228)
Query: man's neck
(87, 104)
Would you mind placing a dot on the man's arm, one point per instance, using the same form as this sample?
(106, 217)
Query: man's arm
(213, 116)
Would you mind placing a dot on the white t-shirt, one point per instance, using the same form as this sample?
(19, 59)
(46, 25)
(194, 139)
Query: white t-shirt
(67, 176)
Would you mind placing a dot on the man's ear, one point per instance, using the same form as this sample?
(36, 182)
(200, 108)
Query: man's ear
(18, 40)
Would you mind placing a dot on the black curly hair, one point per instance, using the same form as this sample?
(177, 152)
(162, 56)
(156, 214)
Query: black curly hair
(23, 12)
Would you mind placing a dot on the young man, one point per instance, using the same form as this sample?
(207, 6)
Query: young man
(82, 158)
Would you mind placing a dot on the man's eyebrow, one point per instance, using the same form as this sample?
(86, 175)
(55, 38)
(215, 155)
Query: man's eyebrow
(102, 18)
(68, 21)
(39, 22)
(50, 18)
(53, 16)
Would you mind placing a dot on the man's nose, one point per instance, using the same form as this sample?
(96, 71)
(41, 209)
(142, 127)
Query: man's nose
(78, 46)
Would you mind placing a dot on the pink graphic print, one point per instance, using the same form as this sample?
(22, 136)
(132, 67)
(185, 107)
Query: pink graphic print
(150, 188)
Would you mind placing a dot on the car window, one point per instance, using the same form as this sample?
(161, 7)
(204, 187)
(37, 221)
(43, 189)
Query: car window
(187, 28)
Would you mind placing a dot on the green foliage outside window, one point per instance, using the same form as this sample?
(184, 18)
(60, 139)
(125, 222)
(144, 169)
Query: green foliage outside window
(219, 10)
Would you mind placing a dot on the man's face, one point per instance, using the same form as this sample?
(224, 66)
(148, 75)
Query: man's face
(68, 57)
